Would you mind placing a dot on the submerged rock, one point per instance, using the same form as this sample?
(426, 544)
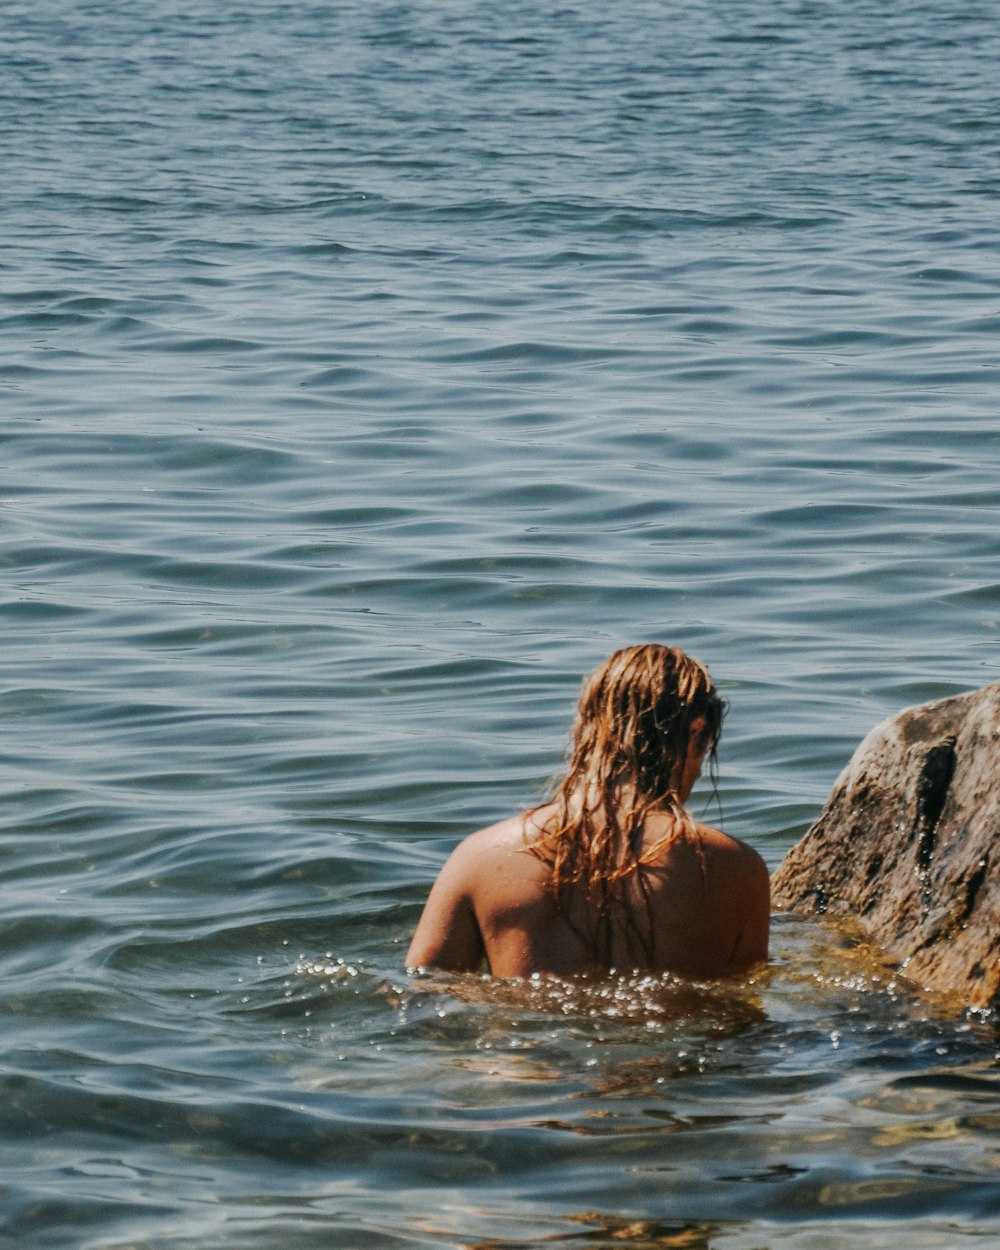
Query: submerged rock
(908, 845)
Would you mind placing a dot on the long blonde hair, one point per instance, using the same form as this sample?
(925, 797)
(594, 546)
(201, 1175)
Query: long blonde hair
(634, 728)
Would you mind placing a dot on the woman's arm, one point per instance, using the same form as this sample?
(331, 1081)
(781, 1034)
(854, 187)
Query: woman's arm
(752, 943)
(448, 935)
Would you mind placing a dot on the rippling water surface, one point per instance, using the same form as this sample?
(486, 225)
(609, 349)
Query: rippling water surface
(369, 373)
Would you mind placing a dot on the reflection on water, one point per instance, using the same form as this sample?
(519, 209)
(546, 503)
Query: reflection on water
(609, 1231)
(646, 1000)
(824, 1083)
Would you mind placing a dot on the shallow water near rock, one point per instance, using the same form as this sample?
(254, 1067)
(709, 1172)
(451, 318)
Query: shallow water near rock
(369, 374)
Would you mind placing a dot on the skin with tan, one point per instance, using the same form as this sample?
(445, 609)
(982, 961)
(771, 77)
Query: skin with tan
(705, 912)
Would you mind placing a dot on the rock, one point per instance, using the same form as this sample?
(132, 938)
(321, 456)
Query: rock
(908, 846)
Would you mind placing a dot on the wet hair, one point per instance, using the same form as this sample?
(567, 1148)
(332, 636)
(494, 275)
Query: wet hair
(635, 725)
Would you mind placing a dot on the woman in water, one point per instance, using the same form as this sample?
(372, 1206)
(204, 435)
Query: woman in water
(613, 873)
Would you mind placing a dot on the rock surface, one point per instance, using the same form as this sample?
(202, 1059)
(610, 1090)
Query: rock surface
(908, 846)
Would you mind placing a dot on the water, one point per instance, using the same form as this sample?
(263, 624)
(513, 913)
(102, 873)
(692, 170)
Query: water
(369, 373)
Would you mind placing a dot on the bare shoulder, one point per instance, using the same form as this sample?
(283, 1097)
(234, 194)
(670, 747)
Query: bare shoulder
(484, 872)
(491, 858)
(486, 846)
(510, 836)
(729, 851)
(732, 864)
(738, 879)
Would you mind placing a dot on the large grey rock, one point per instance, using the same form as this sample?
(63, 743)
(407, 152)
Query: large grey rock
(908, 846)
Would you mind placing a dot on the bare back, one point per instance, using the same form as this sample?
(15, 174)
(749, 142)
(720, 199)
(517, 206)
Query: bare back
(702, 909)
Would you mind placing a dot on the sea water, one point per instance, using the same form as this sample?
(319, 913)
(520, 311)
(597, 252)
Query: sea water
(369, 373)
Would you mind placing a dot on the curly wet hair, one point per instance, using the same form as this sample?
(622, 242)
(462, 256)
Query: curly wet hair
(636, 722)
